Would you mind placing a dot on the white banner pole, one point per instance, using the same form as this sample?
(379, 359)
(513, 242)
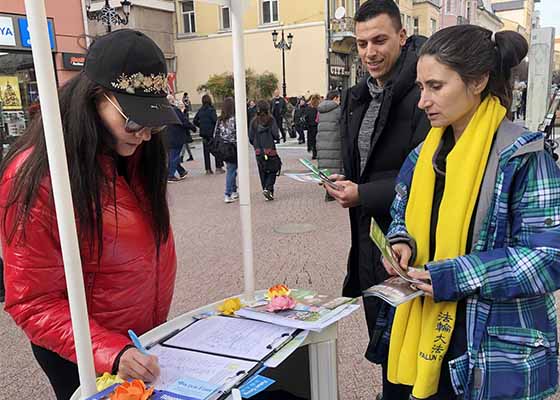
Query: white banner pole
(237, 9)
(52, 126)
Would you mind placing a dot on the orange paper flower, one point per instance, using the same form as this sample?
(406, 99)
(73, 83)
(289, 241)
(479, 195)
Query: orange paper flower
(135, 390)
(278, 290)
(229, 306)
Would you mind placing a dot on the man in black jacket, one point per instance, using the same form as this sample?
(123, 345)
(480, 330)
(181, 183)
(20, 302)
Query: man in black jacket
(278, 110)
(380, 124)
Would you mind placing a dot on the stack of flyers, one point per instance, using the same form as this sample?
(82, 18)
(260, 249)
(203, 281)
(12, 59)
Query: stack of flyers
(322, 175)
(307, 177)
(398, 289)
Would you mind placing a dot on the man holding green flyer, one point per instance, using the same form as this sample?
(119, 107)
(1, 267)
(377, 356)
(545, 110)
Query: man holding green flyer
(380, 124)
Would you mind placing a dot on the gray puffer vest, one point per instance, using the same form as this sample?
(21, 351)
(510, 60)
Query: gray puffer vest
(329, 142)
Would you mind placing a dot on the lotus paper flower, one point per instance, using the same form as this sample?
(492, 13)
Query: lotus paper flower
(106, 380)
(229, 306)
(279, 303)
(278, 290)
(135, 390)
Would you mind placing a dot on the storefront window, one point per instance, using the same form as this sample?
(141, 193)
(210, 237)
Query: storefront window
(18, 93)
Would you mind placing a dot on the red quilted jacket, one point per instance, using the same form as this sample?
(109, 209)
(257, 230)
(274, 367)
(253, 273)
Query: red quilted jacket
(129, 289)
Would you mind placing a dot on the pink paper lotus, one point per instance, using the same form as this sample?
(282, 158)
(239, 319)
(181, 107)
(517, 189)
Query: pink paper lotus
(280, 303)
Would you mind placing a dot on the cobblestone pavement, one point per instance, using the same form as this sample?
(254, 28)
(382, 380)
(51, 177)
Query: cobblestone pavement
(208, 238)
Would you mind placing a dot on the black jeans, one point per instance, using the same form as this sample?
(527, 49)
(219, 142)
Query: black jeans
(312, 140)
(62, 374)
(268, 179)
(301, 134)
(279, 122)
(207, 161)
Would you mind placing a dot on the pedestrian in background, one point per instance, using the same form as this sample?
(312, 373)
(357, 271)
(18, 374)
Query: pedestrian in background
(118, 175)
(263, 133)
(329, 141)
(312, 120)
(191, 128)
(186, 102)
(251, 111)
(226, 129)
(300, 119)
(278, 109)
(205, 119)
(516, 102)
(175, 138)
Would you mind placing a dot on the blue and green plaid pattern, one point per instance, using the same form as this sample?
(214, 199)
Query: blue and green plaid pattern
(508, 279)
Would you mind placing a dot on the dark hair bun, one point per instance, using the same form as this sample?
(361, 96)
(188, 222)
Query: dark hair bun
(513, 48)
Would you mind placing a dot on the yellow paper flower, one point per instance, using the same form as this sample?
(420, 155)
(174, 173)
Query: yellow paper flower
(278, 290)
(106, 380)
(229, 306)
(135, 390)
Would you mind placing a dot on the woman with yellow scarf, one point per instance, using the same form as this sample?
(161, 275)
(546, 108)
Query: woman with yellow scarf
(477, 218)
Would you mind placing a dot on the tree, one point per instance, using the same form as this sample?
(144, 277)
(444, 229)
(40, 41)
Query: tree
(259, 86)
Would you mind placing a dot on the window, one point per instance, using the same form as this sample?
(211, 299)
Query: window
(402, 19)
(434, 25)
(416, 25)
(225, 22)
(408, 23)
(187, 9)
(269, 11)
(449, 6)
(469, 11)
(357, 5)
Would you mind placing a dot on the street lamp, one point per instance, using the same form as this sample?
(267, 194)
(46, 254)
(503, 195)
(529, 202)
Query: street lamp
(108, 15)
(284, 46)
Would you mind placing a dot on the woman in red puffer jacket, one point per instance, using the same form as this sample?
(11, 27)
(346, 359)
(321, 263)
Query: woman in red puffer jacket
(118, 177)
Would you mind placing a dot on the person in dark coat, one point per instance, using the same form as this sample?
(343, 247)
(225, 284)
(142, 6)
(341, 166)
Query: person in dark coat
(176, 137)
(312, 120)
(300, 119)
(380, 125)
(278, 109)
(205, 119)
(263, 133)
(251, 111)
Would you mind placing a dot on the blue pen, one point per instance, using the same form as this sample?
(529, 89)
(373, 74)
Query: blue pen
(137, 343)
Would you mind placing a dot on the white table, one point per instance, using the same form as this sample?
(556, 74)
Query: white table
(322, 348)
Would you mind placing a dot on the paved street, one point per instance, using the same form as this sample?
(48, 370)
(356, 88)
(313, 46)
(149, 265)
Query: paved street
(208, 238)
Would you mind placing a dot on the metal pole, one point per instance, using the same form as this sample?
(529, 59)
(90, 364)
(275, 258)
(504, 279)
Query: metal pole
(328, 27)
(283, 66)
(237, 9)
(56, 153)
(108, 20)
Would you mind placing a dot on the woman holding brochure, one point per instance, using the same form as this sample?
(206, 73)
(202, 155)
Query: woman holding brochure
(112, 113)
(477, 213)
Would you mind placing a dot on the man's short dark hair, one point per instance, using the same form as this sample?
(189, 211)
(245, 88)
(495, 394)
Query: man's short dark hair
(372, 8)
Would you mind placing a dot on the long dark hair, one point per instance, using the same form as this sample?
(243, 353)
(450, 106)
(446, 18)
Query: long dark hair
(228, 109)
(473, 51)
(207, 100)
(263, 113)
(85, 139)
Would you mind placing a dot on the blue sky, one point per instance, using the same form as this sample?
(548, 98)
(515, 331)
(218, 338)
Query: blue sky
(550, 14)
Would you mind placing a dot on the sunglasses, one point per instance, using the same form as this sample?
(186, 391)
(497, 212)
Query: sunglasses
(129, 125)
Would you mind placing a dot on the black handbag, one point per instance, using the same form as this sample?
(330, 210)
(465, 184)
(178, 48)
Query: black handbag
(222, 150)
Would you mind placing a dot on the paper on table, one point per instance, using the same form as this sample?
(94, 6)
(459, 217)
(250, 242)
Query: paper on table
(177, 363)
(234, 337)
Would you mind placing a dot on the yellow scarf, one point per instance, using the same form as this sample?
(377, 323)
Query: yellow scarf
(422, 328)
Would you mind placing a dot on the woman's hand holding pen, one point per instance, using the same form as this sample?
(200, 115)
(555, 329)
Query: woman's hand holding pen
(135, 365)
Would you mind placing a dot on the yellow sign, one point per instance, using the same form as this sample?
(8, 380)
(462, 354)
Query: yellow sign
(9, 93)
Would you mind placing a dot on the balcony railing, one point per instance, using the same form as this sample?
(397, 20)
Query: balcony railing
(342, 26)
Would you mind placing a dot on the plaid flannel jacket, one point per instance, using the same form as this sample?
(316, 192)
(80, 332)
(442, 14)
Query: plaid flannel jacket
(508, 279)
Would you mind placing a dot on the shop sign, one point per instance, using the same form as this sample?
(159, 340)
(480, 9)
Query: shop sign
(26, 37)
(73, 61)
(7, 33)
(339, 71)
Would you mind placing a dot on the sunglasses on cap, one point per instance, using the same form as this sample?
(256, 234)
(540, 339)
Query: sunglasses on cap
(129, 125)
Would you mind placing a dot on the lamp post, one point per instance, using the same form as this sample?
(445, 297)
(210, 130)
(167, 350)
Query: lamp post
(284, 46)
(108, 15)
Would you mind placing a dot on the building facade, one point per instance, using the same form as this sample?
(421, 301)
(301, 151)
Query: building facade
(476, 12)
(323, 54)
(517, 15)
(155, 18)
(18, 86)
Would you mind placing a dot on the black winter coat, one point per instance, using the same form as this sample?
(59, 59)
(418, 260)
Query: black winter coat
(176, 134)
(400, 127)
(206, 119)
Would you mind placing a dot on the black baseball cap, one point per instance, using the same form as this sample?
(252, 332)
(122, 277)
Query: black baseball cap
(132, 67)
